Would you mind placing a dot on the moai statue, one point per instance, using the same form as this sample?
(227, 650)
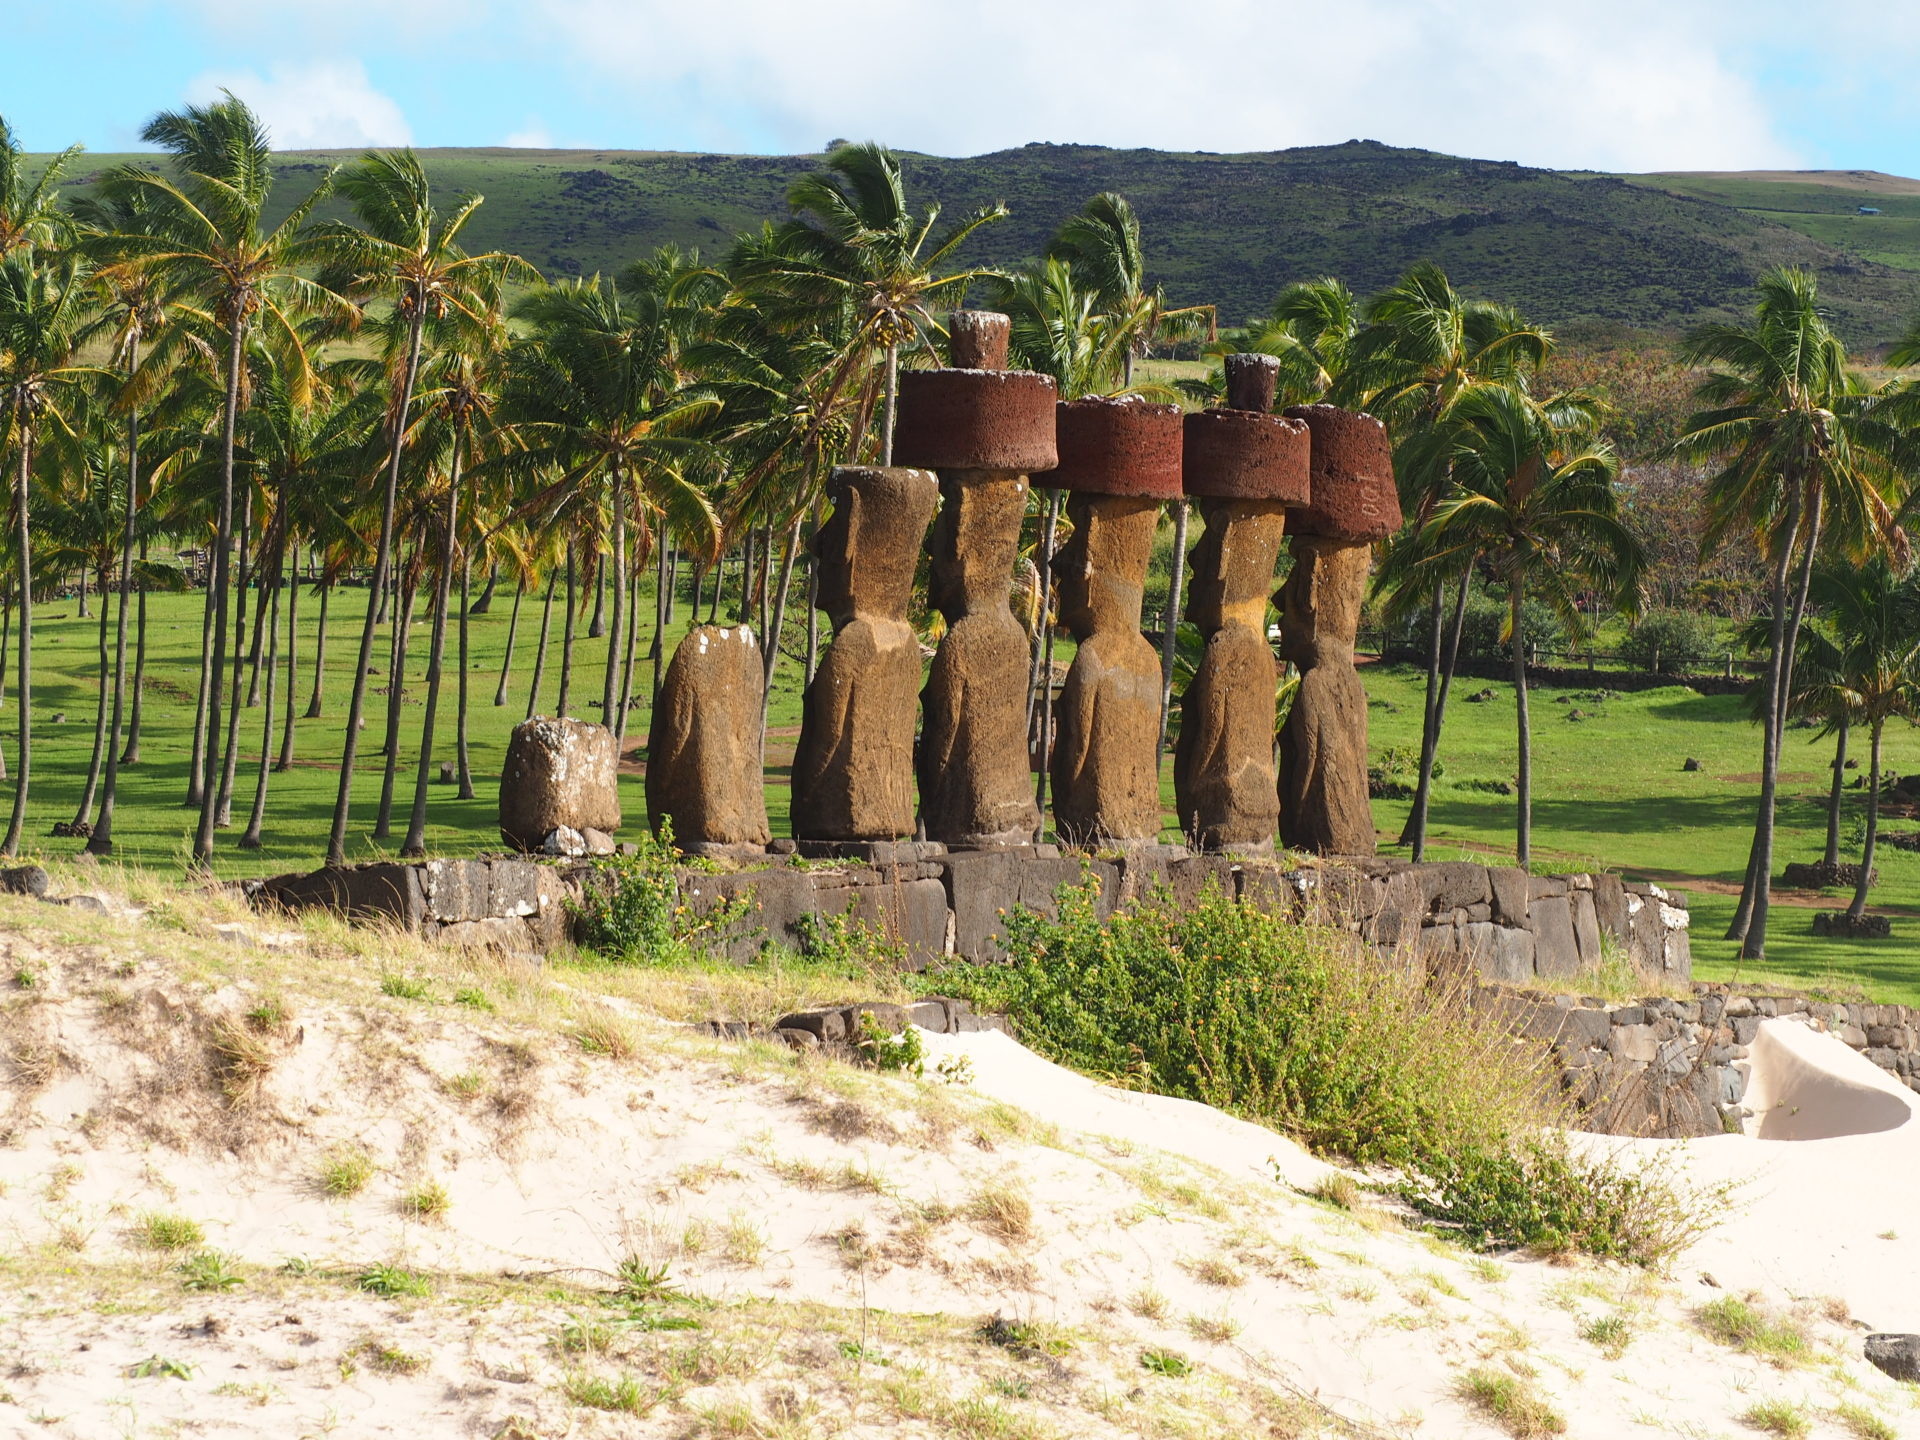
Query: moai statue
(1121, 461)
(853, 770)
(1323, 745)
(1244, 466)
(984, 428)
(703, 747)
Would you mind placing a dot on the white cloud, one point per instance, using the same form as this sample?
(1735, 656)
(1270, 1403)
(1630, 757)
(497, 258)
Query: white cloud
(533, 136)
(317, 106)
(1604, 84)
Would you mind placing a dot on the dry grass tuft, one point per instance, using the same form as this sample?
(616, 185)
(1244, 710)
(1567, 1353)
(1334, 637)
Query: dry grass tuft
(1002, 1210)
(601, 1032)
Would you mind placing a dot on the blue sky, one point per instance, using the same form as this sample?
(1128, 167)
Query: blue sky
(1628, 85)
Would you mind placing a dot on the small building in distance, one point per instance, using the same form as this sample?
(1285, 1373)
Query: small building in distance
(1868, 210)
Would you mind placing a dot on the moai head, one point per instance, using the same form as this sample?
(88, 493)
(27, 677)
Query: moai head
(1103, 567)
(974, 541)
(870, 544)
(1232, 566)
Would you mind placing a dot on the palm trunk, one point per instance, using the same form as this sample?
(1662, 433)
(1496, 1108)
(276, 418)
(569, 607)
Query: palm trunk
(1858, 908)
(540, 651)
(1440, 682)
(83, 812)
(625, 701)
(1176, 581)
(513, 630)
(337, 838)
(415, 845)
(197, 764)
(6, 638)
(230, 752)
(85, 614)
(257, 817)
(813, 596)
(662, 614)
(100, 842)
(222, 558)
(1523, 829)
(1770, 718)
(1754, 946)
(136, 711)
(770, 642)
(566, 639)
(597, 626)
(484, 604)
(462, 753)
(10, 847)
(290, 577)
(671, 567)
(1414, 833)
(316, 702)
(1830, 857)
(396, 692)
(610, 682)
(891, 404)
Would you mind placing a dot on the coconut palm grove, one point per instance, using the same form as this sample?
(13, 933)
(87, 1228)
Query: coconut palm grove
(309, 506)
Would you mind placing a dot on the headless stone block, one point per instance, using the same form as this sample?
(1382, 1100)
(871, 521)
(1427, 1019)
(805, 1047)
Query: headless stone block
(703, 746)
(853, 768)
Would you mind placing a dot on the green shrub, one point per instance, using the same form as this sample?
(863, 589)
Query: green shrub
(1296, 1027)
(1678, 640)
(888, 1052)
(631, 912)
(845, 943)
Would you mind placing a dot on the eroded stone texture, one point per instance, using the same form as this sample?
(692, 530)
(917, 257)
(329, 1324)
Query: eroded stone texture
(1117, 447)
(1223, 775)
(1104, 772)
(1001, 420)
(1323, 746)
(1353, 491)
(975, 789)
(558, 772)
(977, 339)
(703, 747)
(853, 769)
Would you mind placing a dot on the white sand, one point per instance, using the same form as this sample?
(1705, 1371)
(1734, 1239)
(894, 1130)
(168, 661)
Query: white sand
(818, 1204)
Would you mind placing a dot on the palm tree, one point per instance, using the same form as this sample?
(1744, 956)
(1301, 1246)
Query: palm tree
(1794, 431)
(407, 253)
(208, 235)
(858, 250)
(1872, 672)
(1535, 505)
(42, 316)
(29, 216)
(1421, 348)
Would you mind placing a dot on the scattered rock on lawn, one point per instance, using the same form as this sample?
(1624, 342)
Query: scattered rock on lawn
(1689, 764)
(564, 840)
(1842, 926)
(23, 880)
(1898, 1355)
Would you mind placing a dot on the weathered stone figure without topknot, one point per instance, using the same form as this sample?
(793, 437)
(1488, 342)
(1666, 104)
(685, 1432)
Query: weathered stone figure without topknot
(853, 769)
(703, 745)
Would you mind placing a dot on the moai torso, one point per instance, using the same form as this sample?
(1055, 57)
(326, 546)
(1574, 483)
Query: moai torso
(1243, 467)
(703, 745)
(853, 768)
(983, 428)
(1119, 461)
(1324, 804)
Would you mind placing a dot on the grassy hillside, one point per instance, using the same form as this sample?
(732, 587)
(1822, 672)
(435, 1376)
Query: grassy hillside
(1232, 229)
(1821, 204)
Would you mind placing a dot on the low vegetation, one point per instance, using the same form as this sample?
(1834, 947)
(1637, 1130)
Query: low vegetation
(1512, 1402)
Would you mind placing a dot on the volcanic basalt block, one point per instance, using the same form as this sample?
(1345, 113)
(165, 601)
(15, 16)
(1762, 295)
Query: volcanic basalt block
(1247, 455)
(558, 772)
(997, 420)
(853, 769)
(1104, 766)
(1354, 497)
(703, 746)
(1118, 447)
(1324, 804)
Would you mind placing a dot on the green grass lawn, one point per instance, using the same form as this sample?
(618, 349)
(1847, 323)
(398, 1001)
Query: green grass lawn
(1609, 790)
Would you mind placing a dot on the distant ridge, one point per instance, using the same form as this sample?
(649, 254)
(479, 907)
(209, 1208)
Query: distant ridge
(1655, 251)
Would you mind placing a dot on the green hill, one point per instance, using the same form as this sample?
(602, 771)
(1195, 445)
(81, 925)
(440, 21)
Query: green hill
(1655, 252)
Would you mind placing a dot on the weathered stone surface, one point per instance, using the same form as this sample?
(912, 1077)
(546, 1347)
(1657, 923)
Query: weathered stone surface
(1354, 497)
(564, 840)
(1252, 380)
(852, 772)
(703, 745)
(1586, 928)
(1224, 783)
(975, 785)
(383, 890)
(998, 420)
(1509, 888)
(1610, 906)
(1324, 805)
(1117, 447)
(1240, 455)
(1556, 953)
(1850, 927)
(983, 886)
(1453, 884)
(558, 772)
(1897, 1355)
(978, 339)
(23, 880)
(1499, 954)
(1107, 720)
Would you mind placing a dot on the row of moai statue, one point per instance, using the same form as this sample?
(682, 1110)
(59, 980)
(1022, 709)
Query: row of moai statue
(970, 441)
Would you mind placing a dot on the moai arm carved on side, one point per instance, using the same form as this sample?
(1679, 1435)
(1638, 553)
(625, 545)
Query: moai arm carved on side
(983, 428)
(853, 768)
(1121, 461)
(1244, 466)
(1324, 804)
